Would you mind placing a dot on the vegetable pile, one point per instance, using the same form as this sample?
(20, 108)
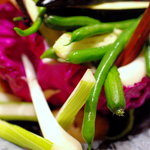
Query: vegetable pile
(88, 42)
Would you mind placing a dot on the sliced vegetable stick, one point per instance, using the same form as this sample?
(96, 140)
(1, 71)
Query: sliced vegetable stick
(17, 111)
(76, 100)
(22, 137)
(49, 126)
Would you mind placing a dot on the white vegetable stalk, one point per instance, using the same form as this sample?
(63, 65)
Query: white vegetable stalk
(17, 111)
(50, 128)
(76, 100)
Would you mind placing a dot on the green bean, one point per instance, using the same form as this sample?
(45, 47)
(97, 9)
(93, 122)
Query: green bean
(87, 55)
(91, 30)
(114, 92)
(88, 127)
(147, 57)
(69, 23)
(35, 26)
(49, 53)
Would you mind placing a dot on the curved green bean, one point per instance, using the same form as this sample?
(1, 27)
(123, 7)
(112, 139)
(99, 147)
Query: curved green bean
(87, 55)
(88, 127)
(114, 92)
(147, 57)
(35, 26)
(91, 30)
(69, 23)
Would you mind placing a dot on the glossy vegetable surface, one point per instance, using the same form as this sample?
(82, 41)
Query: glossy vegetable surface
(91, 30)
(104, 12)
(35, 26)
(138, 39)
(109, 58)
(67, 23)
(87, 55)
(114, 92)
(64, 3)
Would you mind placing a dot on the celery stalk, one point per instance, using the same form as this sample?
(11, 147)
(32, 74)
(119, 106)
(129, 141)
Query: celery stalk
(76, 100)
(17, 111)
(22, 137)
(50, 128)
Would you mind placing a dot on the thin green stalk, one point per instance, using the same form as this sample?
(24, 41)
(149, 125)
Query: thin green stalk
(35, 26)
(127, 129)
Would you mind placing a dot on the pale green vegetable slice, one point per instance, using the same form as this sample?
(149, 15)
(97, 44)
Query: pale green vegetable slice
(49, 126)
(22, 137)
(76, 100)
(17, 111)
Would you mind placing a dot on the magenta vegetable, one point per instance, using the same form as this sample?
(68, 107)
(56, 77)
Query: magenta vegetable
(61, 76)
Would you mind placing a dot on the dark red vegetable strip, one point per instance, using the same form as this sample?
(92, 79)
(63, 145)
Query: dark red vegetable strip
(138, 39)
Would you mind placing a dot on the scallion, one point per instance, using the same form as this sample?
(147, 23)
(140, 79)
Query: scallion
(49, 126)
(22, 137)
(76, 100)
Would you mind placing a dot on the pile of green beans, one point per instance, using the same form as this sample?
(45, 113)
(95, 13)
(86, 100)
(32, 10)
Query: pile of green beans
(147, 57)
(69, 23)
(88, 127)
(114, 92)
(95, 29)
(35, 26)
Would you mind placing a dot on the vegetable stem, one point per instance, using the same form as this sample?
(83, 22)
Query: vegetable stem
(22, 137)
(50, 128)
(35, 26)
(127, 129)
(76, 100)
